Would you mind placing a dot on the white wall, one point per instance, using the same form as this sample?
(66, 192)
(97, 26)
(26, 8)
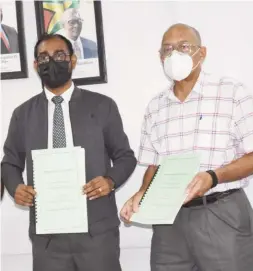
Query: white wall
(133, 32)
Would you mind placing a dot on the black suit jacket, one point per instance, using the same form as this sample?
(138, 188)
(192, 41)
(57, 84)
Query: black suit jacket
(96, 126)
(12, 36)
(89, 48)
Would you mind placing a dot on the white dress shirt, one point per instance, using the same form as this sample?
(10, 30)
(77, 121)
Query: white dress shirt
(65, 108)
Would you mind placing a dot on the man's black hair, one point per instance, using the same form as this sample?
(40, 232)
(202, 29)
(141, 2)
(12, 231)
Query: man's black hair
(47, 36)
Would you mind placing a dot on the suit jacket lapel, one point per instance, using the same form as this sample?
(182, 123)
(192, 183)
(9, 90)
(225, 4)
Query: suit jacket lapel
(80, 117)
(40, 123)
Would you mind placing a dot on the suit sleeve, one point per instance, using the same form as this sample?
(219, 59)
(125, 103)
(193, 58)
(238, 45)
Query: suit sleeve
(117, 144)
(13, 162)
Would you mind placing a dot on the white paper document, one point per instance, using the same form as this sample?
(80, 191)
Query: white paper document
(167, 191)
(59, 175)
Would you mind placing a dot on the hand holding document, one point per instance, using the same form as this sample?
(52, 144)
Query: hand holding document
(59, 175)
(166, 193)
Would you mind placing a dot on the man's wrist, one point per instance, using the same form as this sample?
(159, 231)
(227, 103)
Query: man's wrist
(111, 182)
(143, 189)
(214, 177)
(220, 173)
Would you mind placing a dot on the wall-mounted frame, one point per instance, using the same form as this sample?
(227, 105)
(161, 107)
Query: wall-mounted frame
(81, 22)
(2, 189)
(13, 53)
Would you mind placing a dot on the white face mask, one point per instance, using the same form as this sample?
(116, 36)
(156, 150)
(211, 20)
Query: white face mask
(178, 66)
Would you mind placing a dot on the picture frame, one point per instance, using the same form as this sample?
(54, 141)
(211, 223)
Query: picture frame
(66, 18)
(2, 189)
(13, 46)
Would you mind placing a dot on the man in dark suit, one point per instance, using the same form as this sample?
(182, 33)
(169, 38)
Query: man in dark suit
(89, 120)
(9, 38)
(72, 24)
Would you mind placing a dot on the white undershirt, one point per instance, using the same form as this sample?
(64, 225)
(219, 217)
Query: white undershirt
(65, 108)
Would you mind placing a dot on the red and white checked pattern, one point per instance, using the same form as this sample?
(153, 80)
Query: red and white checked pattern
(216, 121)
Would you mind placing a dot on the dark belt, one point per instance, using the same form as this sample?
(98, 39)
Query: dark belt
(209, 198)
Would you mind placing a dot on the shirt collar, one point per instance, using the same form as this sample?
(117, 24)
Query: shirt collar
(198, 87)
(73, 41)
(65, 95)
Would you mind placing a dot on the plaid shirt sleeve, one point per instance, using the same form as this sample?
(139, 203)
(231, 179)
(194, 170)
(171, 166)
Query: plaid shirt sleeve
(243, 116)
(147, 153)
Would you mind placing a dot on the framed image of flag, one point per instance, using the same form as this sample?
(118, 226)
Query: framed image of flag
(81, 22)
(13, 53)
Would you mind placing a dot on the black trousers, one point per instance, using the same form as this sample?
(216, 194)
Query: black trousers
(77, 252)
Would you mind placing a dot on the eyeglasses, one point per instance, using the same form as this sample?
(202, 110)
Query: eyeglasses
(59, 56)
(182, 47)
(75, 21)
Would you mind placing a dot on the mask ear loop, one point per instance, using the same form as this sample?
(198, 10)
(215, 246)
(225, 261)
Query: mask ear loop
(42, 85)
(71, 66)
(198, 62)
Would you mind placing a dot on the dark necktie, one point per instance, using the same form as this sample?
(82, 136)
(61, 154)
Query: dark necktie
(59, 136)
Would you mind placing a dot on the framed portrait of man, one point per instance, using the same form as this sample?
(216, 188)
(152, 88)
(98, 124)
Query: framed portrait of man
(13, 53)
(81, 22)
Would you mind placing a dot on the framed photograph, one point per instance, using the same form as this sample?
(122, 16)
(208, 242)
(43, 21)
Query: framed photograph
(81, 22)
(13, 52)
(2, 189)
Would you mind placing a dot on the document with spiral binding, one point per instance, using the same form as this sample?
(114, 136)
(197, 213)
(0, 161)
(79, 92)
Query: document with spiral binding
(59, 175)
(167, 190)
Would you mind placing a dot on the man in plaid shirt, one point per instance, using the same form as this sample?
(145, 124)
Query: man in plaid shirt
(212, 116)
